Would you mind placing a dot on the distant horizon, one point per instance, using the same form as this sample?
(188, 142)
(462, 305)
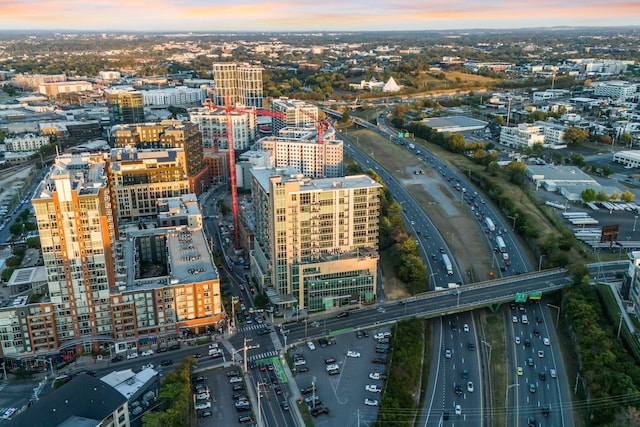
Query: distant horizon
(208, 32)
(300, 16)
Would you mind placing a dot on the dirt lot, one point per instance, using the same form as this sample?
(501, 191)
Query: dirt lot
(439, 201)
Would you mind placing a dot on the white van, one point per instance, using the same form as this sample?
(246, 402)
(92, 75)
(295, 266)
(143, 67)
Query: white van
(525, 319)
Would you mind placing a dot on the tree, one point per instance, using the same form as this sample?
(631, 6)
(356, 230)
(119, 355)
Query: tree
(516, 172)
(625, 139)
(602, 196)
(627, 196)
(588, 195)
(575, 135)
(16, 228)
(346, 118)
(457, 143)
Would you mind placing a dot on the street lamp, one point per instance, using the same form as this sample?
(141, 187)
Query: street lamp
(431, 278)
(506, 396)
(513, 228)
(558, 315)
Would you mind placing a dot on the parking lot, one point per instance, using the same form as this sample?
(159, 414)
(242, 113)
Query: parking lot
(343, 393)
(223, 410)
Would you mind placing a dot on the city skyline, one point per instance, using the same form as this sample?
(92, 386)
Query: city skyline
(283, 15)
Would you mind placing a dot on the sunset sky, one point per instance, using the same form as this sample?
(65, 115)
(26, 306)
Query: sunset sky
(307, 15)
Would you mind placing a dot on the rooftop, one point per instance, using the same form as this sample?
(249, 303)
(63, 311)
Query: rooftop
(127, 382)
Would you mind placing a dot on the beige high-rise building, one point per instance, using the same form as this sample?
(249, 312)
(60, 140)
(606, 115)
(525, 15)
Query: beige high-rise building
(303, 152)
(295, 114)
(213, 126)
(139, 178)
(78, 227)
(237, 84)
(316, 240)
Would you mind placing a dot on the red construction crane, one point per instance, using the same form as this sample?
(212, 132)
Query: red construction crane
(321, 126)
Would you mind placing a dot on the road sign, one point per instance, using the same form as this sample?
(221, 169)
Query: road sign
(407, 134)
(400, 134)
(521, 297)
(535, 296)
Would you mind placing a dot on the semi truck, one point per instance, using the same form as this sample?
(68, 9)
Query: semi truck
(447, 264)
(501, 246)
(490, 225)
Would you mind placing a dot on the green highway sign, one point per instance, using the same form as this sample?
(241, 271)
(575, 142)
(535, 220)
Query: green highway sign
(400, 134)
(521, 297)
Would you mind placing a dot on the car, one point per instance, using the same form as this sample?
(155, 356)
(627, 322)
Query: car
(319, 410)
(546, 341)
(233, 373)
(359, 334)
(312, 401)
(302, 369)
(517, 340)
(545, 411)
(175, 346)
(351, 353)
(234, 380)
(529, 361)
(447, 353)
(166, 362)
(374, 375)
(237, 387)
(196, 355)
(527, 342)
(373, 388)
(464, 374)
(542, 376)
(457, 389)
(458, 410)
(538, 319)
(365, 333)
(514, 319)
(311, 345)
(162, 350)
(308, 390)
(536, 333)
(205, 414)
(520, 372)
(285, 405)
(470, 386)
(371, 402)
(147, 352)
(203, 396)
(465, 327)
(133, 355)
(471, 346)
(87, 372)
(531, 422)
(342, 314)
(532, 387)
(541, 353)
(445, 416)
(379, 360)
(198, 379)
(245, 419)
(265, 331)
(553, 373)
(203, 405)
(434, 256)
(329, 361)
(117, 359)
(513, 306)
(520, 306)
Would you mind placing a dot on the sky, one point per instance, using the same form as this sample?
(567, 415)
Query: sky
(310, 15)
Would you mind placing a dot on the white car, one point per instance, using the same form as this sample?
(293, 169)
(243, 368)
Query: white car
(465, 327)
(541, 353)
(373, 388)
(447, 353)
(514, 319)
(470, 386)
(553, 373)
(458, 410)
(150, 365)
(517, 340)
(311, 345)
(203, 396)
(147, 352)
(374, 375)
(133, 355)
(233, 380)
(203, 405)
(546, 341)
(351, 353)
(371, 402)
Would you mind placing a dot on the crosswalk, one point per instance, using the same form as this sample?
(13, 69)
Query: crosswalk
(3, 385)
(266, 355)
(251, 327)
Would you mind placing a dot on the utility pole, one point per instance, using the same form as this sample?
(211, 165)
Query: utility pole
(244, 350)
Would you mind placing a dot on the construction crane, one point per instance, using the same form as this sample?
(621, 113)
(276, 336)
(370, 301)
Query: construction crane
(321, 127)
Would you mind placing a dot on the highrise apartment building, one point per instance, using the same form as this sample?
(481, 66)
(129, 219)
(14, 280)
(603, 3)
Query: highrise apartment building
(114, 284)
(139, 178)
(170, 134)
(78, 227)
(303, 152)
(125, 106)
(294, 113)
(213, 126)
(237, 84)
(316, 240)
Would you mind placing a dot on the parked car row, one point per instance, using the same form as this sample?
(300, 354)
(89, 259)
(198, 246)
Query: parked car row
(202, 396)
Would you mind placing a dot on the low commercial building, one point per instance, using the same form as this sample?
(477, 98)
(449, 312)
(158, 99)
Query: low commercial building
(27, 142)
(55, 89)
(630, 158)
(84, 401)
(551, 178)
(454, 124)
